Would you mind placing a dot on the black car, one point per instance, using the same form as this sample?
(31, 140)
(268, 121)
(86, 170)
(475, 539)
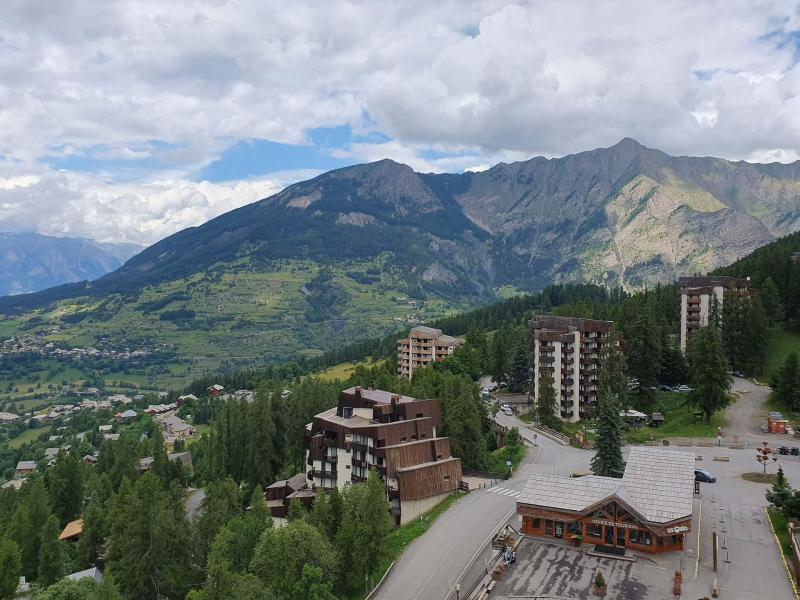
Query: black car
(783, 450)
(795, 451)
(704, 476)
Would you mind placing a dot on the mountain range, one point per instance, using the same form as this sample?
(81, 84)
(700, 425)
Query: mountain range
(33, 262)
(351, 252)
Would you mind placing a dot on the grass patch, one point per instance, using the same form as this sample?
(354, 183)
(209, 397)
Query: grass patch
(781, 527)
(401, 537)
(344, 370)
(29, 435)
(498, 459)
(760, 477)
(679, 420)
(781, 345)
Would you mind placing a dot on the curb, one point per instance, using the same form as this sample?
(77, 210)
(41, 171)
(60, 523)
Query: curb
(783, 558)
(380, 583)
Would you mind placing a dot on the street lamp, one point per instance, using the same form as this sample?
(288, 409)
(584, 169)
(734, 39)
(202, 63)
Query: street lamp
(763, 455)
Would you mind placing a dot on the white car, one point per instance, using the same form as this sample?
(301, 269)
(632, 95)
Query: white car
(683, 388)
(508, 411)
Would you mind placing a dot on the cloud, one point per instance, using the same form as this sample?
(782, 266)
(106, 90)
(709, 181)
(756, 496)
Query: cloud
(61, 203)
(161, 90)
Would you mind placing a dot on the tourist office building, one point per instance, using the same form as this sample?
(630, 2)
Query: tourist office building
(648, 510)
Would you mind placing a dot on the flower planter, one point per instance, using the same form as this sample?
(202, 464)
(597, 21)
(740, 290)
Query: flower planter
(599, 591)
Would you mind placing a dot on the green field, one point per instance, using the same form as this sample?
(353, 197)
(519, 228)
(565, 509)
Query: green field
(782, 344)
(679, 421)
(234, 315)
(26, 436)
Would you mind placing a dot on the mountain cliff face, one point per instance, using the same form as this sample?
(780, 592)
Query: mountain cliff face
(32, 262)
(352, 249)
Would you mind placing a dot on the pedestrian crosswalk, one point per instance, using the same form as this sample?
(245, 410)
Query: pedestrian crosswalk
(504, 491)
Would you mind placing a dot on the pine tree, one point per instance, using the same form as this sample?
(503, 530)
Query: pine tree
(709, 371)
(612, 379)
(546, 403)
(65, 483)
(296, 511)
(607, 460)
(643, 351)
(787, 380)
(51, 553)
(519, 376)
(499, 356)
(771, 301)
(220, 505)
(755, 349)
(780, 496)
(10, 568)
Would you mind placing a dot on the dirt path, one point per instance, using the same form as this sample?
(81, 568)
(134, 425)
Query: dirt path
(747, 414)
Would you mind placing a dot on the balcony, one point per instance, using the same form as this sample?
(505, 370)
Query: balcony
(393, 494)
(333, 459)
(359, 447)
(317, 473)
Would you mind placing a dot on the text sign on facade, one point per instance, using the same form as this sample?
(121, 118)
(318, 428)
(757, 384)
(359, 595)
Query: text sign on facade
(679, 529)
(614, 524)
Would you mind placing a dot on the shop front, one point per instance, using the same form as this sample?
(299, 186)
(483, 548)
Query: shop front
(611, 525)
(649, 509)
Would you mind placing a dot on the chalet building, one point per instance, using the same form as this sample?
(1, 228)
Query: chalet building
(7, 417)
(72, 531)
(396, 435)
(569, 349)
(696, 299)
(648, 510)
(281, 493)
(423, 346)
(215, 390)
(25, 468)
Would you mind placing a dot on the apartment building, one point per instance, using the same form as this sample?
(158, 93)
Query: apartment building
(696, 294)
(422, 347)
(569, 350)
(393, 434)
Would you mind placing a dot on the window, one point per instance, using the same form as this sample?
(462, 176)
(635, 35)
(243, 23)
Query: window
(641, 537)
(419, 415)
(594, 530)
(403, 439)
(447, 477)
(347, 412)
(347, 466)
(536, 523)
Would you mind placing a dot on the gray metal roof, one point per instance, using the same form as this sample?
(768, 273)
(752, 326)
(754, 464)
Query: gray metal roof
(658, 484)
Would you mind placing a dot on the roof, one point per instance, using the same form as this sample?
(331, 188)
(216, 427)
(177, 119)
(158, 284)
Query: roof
(658, 484)
(14, 484)
(297, 482)
(93, 573)
(128, 414)
(51, 452)
(428, 330)
(217, 387)
(73, 529)
(26, 465)
(657, 417)
(378, 396)
(632, 414)
(7, 416)
(448, 339)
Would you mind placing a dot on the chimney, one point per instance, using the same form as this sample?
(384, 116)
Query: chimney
(358, 392)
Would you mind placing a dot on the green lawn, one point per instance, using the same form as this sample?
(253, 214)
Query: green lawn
(343, 370)
(781, 527)
(679, 420)
(782, 344)
(26, 436)
(498, 458)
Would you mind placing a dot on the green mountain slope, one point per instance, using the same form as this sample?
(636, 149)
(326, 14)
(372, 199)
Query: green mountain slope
(355, 252)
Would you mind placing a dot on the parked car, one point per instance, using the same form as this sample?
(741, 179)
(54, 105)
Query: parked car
(795, 451)
(665, 388)
(764, 429)
(739, 374)
(783, 450)
(704, 476)
(683, 388)
(507, 410)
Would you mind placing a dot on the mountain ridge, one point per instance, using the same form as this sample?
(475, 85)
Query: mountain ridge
(346, 253)
(32, 261)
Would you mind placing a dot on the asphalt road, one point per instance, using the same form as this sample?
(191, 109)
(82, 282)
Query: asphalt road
(434, 562)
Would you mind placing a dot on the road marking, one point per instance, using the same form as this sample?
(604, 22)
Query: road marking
(505, 492)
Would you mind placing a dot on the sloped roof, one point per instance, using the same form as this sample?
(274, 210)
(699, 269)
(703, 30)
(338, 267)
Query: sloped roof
(26, 465)
(658, 484)
(73, 529)
(93, 573)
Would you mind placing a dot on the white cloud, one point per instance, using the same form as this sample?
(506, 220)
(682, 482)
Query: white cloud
(60, 203)
(454, 84)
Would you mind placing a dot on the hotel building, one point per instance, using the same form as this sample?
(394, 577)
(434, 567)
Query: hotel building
(423, 346)
(696, 296)
(569, 349)
(393, 434)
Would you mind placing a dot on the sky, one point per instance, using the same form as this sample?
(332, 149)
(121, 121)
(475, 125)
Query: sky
(126, 121)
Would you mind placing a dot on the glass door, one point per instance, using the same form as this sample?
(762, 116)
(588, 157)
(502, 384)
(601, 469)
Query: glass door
(620, 536)
(609, 535)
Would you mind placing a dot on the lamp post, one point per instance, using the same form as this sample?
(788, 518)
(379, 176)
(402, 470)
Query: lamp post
(763, 454)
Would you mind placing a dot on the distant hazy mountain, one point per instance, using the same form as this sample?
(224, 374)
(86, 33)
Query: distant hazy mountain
(30, 262)
(350, 253)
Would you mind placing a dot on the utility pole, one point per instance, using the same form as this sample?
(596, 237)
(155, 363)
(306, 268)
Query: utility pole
(714, 547)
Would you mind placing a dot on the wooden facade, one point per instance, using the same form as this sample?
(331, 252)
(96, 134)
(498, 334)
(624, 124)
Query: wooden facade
(611, 524)
(429, 479)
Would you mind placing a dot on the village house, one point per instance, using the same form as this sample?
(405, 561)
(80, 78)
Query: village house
(215, 390)
(7, 418)
(25, 468)
(72, 531)
(14, 484)
(280, 494)
(128, 415)
(176, 427)
(187, 398)
(120, 399)
(92, 573)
